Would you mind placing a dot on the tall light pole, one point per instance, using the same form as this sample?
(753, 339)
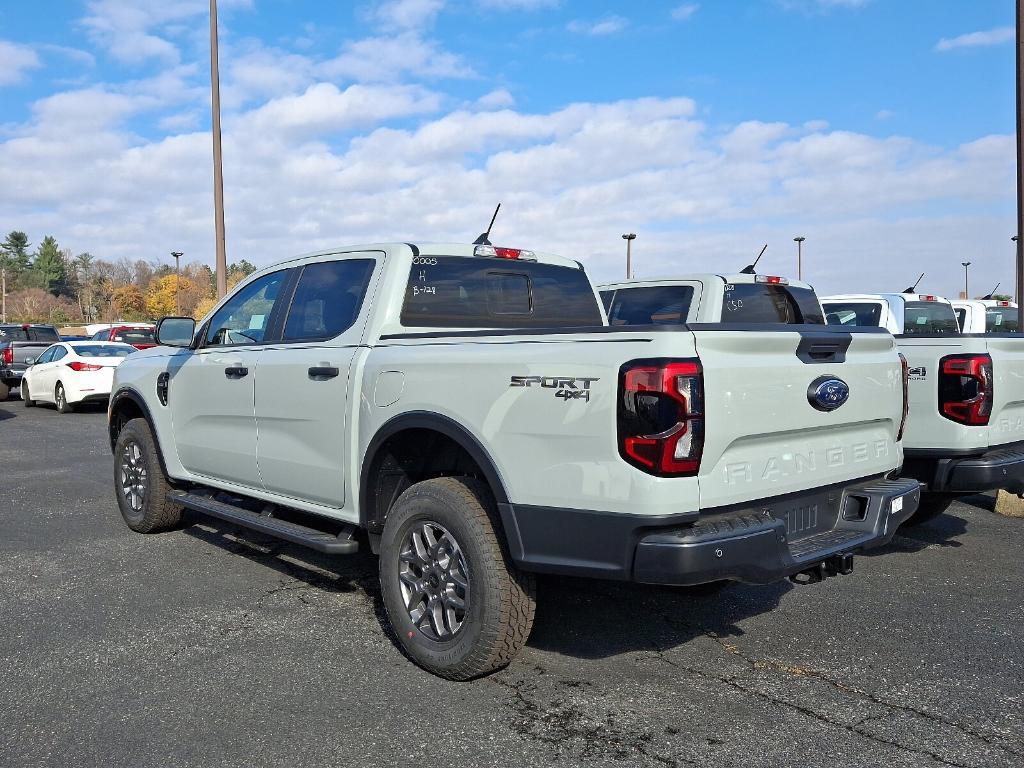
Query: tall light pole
(3, 293)
(1020, 162)
(218, 170)
(177, 281)
(799, 240)
(629, 254)
(965, 265)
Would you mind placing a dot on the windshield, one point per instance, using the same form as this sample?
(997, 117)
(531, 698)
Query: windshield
(932, 317)
(770, 303)
(32, 333)
(135, 336)
(853, 313)
(102, 350)
(1001, 320)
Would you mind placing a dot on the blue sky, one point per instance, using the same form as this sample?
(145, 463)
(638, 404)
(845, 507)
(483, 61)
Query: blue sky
(879, 129)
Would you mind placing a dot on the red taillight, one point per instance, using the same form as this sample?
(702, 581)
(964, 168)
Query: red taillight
(1004, 304)
(929, 298)
(78, 366)
(661, 416)
(771, 279)
(491, 251)
(965, 388)
(9, 356)
(905, 371)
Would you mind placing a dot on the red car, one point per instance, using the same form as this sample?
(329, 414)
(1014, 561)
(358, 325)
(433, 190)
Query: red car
(140, 337)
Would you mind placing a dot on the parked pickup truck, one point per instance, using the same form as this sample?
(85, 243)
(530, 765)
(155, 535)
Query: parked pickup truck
(965, 431)
(469, 409)
(986, 316)
(20, 345)
(139, 336)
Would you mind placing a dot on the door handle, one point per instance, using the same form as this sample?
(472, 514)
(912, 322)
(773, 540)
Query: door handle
(236, 372)
(323, 372)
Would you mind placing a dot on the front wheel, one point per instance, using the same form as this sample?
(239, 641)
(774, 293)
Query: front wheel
(459, 607)
(4, 391)
(60, 397)
(25, 398)
(139, 481)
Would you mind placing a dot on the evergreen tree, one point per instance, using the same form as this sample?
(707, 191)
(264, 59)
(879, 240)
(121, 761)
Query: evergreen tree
(50, 267)
(14, 252)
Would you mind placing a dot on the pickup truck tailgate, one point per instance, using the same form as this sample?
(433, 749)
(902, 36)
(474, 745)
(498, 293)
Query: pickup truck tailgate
(763, 435)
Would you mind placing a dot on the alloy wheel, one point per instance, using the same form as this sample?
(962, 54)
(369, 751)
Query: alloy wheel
(434, 579)
(134, 476)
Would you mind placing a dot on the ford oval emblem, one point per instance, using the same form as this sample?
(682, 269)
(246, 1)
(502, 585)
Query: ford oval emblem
(828, 393)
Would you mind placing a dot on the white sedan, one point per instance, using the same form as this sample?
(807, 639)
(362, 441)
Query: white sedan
(73, 372)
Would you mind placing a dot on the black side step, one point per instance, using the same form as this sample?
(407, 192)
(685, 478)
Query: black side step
(335, 544)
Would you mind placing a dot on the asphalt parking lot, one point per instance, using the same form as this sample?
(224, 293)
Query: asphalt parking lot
(208, 647)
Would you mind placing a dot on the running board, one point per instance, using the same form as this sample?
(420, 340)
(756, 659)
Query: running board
(341, 544)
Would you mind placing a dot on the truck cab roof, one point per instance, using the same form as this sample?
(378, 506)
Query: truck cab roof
(741, 278)
(428, 249)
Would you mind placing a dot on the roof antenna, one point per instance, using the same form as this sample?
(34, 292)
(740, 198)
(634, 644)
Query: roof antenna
(988, 296)
(913, 288)
(484, 238)
(749, 269)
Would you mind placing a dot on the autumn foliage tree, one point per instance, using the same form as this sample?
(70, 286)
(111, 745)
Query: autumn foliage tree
(129, 302)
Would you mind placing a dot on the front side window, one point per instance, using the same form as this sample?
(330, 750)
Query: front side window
(244, 318)
(770, 303)
(854, 313)
(470, 292)
(655, 305)
(327, 299)
(932, 317)
(47, 356)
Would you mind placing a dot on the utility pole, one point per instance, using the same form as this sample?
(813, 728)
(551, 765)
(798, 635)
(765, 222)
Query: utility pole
(799, 240)
(3, 292)
(1020, 164)
(177, 281)
(218, 170)
(629, 254)
(965, 265)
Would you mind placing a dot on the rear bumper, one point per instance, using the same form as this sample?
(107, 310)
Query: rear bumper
(1001, 467)
(758, 543)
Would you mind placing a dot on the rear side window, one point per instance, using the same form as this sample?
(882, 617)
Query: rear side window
(467, 292)
(929, 317)
(855, 314)
(327, 299)
(44, 333)
(961, 315)
(59, 353)
(1001, 320)
(654, 305)
(764, 303)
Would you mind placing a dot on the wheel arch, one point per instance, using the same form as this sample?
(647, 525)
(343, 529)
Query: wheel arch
(127, 404)
(417, 425)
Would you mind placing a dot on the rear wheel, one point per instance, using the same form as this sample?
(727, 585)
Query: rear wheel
(4, 391)
(459, 607)
(60, 397)
(932, 505)
(28, 401)
(140, 482)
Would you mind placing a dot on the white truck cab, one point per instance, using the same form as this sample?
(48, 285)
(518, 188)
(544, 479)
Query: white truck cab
(986, 316)
(899, 313)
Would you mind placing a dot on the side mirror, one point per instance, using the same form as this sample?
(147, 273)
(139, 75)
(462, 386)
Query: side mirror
(175, 331)
(30, 361)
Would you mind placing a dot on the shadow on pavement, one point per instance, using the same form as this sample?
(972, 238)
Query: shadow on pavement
(583, 618)
(941, 531)
(5, 414)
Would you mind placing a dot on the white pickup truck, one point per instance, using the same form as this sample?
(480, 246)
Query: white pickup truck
(986, 316)
(965, 431)
(468, 411)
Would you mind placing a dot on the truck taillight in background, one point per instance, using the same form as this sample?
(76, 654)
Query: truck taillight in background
(9, 356)
(965, 388)
(661, 416)
(905, 370)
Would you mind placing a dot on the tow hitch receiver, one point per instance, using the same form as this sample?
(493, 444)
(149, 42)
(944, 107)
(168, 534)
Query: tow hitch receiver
(837, 565)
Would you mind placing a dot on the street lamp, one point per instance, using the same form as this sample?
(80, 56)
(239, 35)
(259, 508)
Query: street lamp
(799, 240)
(629, 242)
(177, 281)
(218, 167)
(965, 265)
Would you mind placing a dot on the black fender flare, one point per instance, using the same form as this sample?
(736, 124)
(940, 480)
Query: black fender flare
(132, 394)
(437, 423)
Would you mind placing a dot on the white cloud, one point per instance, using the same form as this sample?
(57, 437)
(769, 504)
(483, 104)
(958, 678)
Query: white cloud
(684, 11)
(407, 14)
(496, 99)
(15, 60)
(518, 5)
(388, 58)
(989, 37)
(884, 114)
(609, 25)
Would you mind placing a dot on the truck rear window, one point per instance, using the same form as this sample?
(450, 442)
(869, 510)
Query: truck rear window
(764, 303)
(467, 292)
(929, 317)
(136, 336)
(1001, 320)
(17, 333)
(653, 305)
(855, 313)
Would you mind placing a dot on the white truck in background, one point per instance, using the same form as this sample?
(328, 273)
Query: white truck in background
(468, 411)
(965, 430)
(986, 315)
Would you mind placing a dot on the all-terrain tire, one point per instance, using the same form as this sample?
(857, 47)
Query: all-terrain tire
(140, 483)
(4, 391)
(60, 397)
(931, 506)
(25, 398)
(501, 602)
